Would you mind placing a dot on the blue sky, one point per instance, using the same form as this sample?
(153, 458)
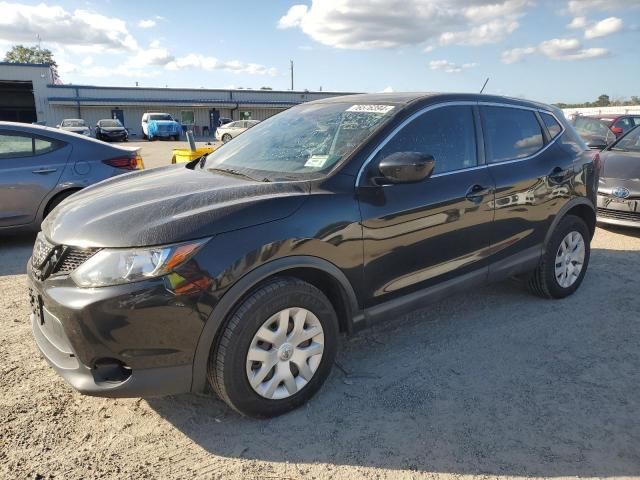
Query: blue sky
(563, 50)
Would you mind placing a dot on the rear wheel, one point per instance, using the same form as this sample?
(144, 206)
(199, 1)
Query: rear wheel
(276, 350)
(226, 137)
(565, 260)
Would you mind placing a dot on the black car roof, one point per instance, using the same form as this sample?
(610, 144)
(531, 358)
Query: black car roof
(407, 98)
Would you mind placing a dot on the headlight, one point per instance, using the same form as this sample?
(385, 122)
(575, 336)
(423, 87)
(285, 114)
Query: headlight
(117, 266)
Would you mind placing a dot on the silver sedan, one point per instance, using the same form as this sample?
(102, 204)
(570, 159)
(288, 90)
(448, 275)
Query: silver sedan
(40, 167)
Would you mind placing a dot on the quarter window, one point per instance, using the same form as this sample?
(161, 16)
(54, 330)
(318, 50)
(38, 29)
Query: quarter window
(553, 127)
(15, 145)
(40, 146)
(511, 133)
(447, 133)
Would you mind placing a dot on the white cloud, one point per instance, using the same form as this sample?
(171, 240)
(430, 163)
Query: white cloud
(578, 22)
(365, 24)
(202, 62)
(154, 55)
(87, 61)
(388, 90)
(603, 28)
(450, 67)
(569, 49)
(147, 23)
(582, 6)
(21, 23)
(516, 54)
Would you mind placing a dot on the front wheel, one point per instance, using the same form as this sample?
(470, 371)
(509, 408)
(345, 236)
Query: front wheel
(226, 137)
(276, 350)
(565, 260)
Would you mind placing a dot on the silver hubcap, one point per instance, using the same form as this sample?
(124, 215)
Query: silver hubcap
(569, 259)
(285, 353)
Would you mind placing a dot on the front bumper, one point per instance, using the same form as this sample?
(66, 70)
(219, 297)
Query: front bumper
(133, 340)
(618, 211)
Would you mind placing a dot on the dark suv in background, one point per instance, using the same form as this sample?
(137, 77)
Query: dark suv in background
(239, 270)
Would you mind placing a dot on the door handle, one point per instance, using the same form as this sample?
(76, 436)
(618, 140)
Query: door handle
(558, 175)
(43, 171)
(476, 193)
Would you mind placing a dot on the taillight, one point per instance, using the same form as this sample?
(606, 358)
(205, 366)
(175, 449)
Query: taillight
(126, 163)
(617, 131)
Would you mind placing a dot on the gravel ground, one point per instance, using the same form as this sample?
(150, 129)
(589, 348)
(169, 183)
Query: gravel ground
(492, 383)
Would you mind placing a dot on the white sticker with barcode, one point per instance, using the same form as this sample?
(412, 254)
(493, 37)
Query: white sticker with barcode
(382, 109)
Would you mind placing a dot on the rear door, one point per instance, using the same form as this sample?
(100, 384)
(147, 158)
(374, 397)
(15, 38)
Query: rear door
(416, 235)
(532, 180)
(30, 167)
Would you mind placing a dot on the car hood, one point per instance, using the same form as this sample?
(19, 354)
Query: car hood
(167, 205)
(620, 169)
(75, 129)
(112, 129)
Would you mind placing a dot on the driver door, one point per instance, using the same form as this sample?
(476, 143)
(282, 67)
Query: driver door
(416, 235)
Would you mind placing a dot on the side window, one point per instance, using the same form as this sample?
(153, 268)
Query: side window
(15, 145)
(636, 121)
(41, 145)
(447, 133)
(625, 124)
(511, 133)
(552, 124)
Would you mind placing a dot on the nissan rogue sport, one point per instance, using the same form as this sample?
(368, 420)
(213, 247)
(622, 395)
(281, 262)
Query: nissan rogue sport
(238, 271)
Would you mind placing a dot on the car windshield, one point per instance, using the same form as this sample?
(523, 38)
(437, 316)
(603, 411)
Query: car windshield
(300, 143)
(73, 123)
(161, 116)
(629, 143)
(109, 123)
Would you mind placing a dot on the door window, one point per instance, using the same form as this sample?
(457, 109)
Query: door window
(625, 124)
(511, 133)
(447, 133)
(13, 145)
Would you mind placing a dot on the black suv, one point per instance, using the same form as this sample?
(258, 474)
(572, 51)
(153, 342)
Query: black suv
(240, 270)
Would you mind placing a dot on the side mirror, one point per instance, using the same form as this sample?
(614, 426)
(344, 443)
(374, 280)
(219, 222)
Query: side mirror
(406, 167)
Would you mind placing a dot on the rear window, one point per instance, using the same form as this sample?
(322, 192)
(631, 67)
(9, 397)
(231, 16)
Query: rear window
(511, 133)
(552, 124)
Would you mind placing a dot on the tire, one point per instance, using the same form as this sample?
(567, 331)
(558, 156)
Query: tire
(229, 363)
(57, 200)
(550, 278)
(226, 137)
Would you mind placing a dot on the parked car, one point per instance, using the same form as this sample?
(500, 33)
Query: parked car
(160, 125)
(111, 130)
(40, 167)
(619, 124)
(619, 188)
(224, 121)
(594, 132)
(75, 125)
(233, 129)
(240, 270)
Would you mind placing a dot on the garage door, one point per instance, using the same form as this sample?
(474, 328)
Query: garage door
(16, 102)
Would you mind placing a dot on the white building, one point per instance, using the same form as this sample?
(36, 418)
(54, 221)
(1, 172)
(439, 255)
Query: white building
(28, 94)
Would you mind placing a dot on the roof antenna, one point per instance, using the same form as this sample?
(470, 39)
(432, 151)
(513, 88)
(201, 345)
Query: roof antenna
(485, 84)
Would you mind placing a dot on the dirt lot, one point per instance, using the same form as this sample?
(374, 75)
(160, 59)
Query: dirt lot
(159, 152)
(496, 383)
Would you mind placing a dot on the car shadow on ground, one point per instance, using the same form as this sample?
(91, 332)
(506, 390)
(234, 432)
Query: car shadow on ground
(492, 382)
(15, 250)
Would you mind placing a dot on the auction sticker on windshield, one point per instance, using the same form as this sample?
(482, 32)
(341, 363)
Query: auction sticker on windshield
(383, 109)
(316, 161)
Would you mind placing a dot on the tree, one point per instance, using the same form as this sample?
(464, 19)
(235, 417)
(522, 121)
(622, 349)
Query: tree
(603, 101)
(22, 54)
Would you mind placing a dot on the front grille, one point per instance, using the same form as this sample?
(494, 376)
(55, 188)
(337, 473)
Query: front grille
(72, 258)
(619, 215)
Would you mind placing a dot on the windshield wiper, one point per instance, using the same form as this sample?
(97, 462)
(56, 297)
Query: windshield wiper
(231, 171)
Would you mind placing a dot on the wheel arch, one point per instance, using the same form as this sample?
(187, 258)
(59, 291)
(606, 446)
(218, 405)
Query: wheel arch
(62, 193)
(320, 273)
(580, 207)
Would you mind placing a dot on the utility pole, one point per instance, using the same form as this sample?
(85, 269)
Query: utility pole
(291, 74)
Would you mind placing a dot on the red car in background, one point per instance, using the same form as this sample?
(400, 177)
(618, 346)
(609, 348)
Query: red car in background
(619, 124)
